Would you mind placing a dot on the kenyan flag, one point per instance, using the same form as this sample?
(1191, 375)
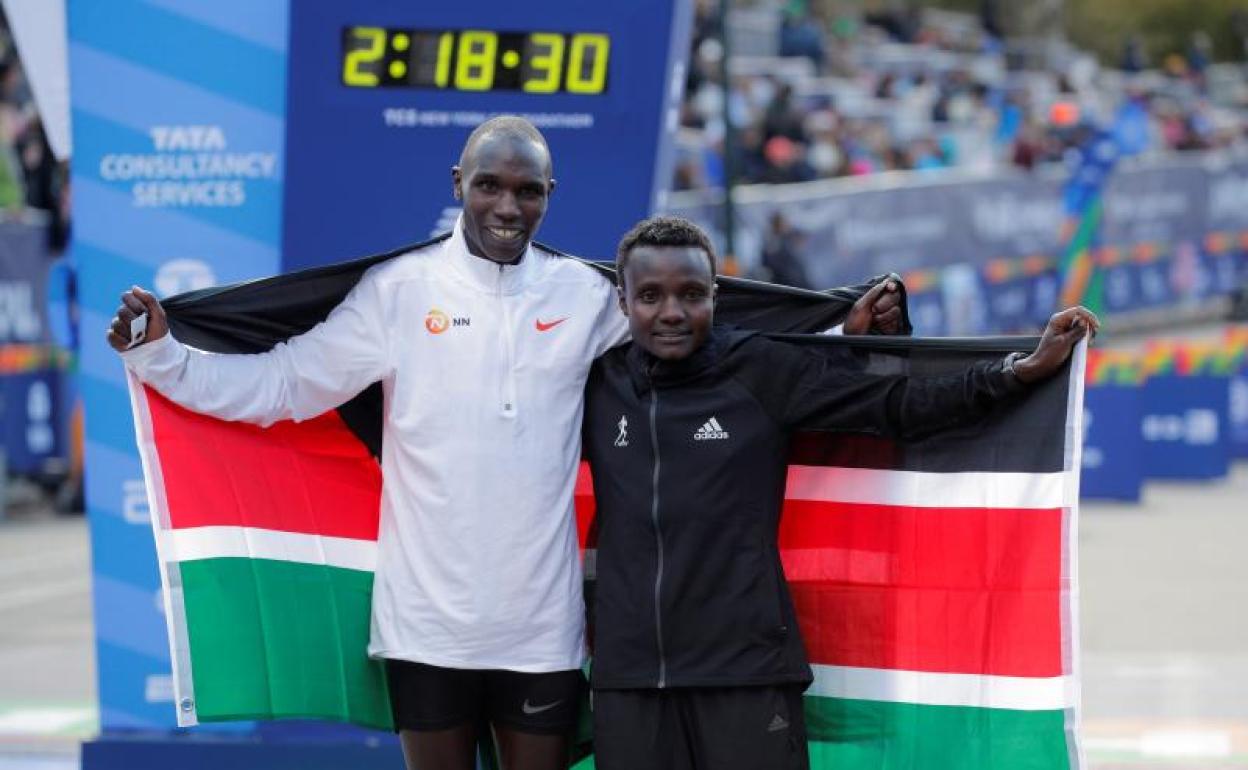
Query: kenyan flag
(934, 579)
(267, 541)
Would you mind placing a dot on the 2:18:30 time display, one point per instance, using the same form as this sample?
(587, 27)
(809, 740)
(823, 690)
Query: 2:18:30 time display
(476, 60)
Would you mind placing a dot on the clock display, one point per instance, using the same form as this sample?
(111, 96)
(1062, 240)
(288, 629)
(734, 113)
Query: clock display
(476, 60)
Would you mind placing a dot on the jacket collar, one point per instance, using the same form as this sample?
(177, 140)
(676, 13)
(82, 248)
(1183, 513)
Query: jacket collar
(487, 275)
(646, 371)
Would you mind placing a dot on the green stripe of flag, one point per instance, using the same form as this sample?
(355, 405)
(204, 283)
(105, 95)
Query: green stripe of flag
(263, 634)
(904, 736)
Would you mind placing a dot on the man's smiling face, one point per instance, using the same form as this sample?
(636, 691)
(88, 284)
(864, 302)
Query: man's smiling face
(505, 185)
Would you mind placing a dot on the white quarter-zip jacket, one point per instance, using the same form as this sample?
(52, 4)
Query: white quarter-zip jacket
(483, 367)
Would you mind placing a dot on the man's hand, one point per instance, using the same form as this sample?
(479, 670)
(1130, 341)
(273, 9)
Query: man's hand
(133, 304)
(1060, 335)
(879, 311)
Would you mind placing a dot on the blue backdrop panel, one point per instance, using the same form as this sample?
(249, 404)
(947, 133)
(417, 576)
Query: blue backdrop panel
(1113, 446)
(368, 167)
(32, 430)
(178, 118)
(1185, 427)
(30, 419)
(1237, 414)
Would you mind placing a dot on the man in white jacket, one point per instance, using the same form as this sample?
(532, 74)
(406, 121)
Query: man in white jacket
(482, 342)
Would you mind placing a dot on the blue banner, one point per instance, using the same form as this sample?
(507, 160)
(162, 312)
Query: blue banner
(179, 124)
(1113, 447)
(1172, 233)
(31, 420)
(1184, 426)
(32, 423)
(1237, 414)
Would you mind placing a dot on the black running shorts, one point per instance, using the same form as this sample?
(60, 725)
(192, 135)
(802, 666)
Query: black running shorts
(692, 728)
(431, 698)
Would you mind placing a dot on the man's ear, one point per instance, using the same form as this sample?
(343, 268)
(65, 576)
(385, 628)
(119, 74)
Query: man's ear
(550, 188)
(457, 179)
(619, 296)
(714, 292)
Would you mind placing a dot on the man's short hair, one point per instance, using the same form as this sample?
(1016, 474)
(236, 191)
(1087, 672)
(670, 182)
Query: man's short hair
(510, 126)
(662, 231)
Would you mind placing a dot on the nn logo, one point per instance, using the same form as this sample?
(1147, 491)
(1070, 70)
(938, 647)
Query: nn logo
(437, 322)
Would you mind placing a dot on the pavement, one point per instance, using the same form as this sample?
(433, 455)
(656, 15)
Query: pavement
(47, 659)
(1164, 629)
(1164, 626)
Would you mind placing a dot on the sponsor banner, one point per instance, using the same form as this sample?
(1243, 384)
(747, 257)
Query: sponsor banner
(177, 185)
(1236, 351)
(1227, 199)
(1113, 446)
(1184, 427)
(31, 421)
(24, 263)
(1237, 414)
(1171, 233)
(1165, 203)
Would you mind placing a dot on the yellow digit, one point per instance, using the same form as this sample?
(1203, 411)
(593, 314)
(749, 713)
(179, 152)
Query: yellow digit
(548, 63)
(354, 66)
(445, 45)
(474, 66)
(598, 47)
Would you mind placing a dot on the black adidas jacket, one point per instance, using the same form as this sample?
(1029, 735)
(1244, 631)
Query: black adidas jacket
(689, 463)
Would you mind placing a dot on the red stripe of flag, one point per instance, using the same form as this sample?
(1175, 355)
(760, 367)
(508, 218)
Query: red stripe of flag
(585, 506)
(313, 477)
(965, 590)
(961, 590)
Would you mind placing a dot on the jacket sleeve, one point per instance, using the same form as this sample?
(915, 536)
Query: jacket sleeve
(832, 389)
(298, 379)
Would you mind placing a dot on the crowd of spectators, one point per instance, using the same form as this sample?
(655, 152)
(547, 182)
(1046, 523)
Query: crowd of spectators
(813, 97)
(31, 178)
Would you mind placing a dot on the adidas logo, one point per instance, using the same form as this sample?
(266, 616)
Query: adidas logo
(711, 429)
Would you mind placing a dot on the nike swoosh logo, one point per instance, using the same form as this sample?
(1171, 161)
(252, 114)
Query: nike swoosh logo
(545, 327)
(530, 709)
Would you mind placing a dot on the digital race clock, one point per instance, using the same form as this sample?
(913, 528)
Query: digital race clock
(381, 96)
(476, 60)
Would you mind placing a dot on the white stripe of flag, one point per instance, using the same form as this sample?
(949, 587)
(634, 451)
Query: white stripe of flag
(943, 689)
(916, 489)
(194, 543)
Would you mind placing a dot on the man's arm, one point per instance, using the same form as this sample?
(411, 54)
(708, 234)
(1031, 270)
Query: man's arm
(297, 379)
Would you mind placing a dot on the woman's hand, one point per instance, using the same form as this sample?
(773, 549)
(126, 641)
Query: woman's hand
(1062, 333)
